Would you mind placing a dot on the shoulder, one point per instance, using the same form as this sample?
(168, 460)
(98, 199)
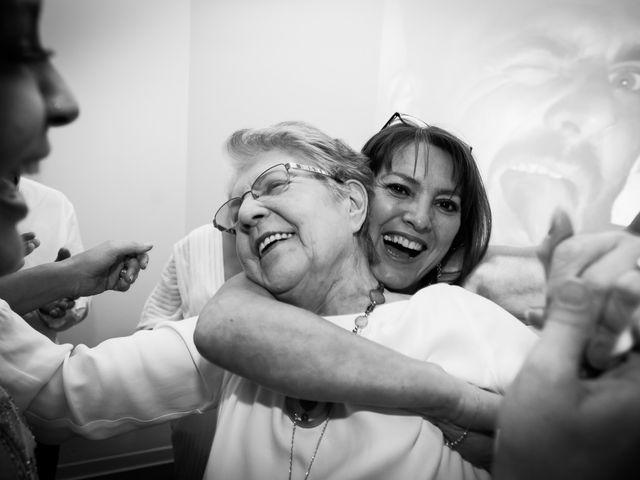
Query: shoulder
(202, 235)
(443, 292)
(36, 192)
(458, 305)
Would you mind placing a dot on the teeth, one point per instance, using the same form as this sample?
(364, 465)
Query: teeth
(535, 168)
(406, 243)
(272, 238)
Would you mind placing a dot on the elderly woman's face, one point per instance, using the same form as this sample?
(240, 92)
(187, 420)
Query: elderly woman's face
(32, 98)
(415, 215)
(291, 241)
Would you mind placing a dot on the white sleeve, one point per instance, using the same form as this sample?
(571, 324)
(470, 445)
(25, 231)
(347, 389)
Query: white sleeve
(189, 279)
(164, 302)
(123, 383)
(199, 267)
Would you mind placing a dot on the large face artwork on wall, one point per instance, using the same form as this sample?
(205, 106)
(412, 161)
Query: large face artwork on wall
(547, 92)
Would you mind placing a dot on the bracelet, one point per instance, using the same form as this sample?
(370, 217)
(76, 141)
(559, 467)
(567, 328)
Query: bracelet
(453, 444)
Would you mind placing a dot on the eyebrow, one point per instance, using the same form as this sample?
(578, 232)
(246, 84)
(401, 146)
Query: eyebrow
(442, 191)
(534, 41)
(628, 53)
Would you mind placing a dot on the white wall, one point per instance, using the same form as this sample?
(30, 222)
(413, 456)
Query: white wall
(123, 163)
(257, 62)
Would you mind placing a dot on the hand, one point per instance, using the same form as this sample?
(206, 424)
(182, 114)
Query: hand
(471, 427)
(109, 266)
(602, 260)
(54, 315)
(30, 242)
(512, 277)
(556, 424)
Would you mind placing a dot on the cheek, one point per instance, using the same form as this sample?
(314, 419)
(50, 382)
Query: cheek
(448, 229)
(243, 251)
(22, 116)
(381, 211)
(11, 253)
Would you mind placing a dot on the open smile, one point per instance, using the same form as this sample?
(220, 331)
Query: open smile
(267, 241)
(400, 246)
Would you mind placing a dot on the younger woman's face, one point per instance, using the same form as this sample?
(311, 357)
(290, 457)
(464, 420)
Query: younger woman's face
(414, 217)
(33, 97)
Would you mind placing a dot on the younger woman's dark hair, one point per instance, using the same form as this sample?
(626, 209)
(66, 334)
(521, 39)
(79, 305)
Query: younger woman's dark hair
(475, 218)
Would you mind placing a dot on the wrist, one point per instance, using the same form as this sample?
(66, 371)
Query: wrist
(69, 274)
(64, 278)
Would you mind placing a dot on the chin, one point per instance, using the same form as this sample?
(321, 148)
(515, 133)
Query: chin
(11, 252)
(10, 261)
(392, 278)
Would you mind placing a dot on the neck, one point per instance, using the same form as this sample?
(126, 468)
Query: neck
(345, 290)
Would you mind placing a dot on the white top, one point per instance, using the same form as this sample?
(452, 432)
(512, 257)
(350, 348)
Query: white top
(469, 336)
(53, 219)
(157, 375)
(193, 273)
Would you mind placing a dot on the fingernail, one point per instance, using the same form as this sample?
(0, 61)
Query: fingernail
(574, 293)
(534, 316)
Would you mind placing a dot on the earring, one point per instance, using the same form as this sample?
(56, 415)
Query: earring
(438, 271)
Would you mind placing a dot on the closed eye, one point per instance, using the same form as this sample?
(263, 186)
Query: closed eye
(274, 187)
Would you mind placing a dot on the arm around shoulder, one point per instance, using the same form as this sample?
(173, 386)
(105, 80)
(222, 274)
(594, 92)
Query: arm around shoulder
(297, 353)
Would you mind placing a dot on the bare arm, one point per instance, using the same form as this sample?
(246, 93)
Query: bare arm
(109, 266)
(298, 353)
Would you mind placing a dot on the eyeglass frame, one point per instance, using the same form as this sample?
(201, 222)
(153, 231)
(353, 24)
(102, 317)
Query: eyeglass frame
(405, 119)
(288, 166)
(415, 122)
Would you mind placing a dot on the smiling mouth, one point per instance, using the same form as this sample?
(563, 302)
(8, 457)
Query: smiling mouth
(269, 241)
(399, 246)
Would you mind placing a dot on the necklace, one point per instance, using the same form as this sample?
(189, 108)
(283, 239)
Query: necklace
(297, 422)
(309, 414)
(376, 296)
